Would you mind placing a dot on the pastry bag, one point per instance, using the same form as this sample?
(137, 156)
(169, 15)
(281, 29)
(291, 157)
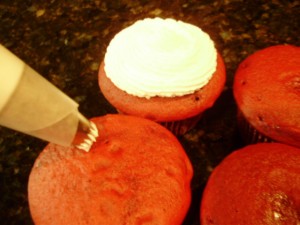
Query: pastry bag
(32, 105)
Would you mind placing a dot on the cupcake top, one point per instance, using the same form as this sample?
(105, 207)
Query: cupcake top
(160, 57)
(258, 184)
(267, 91)
(135, 173)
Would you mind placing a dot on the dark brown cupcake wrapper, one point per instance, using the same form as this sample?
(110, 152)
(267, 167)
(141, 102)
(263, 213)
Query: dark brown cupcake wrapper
(249, 134)
(179, 127)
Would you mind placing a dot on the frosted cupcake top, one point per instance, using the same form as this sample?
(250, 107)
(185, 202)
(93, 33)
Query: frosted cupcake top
(160, 57)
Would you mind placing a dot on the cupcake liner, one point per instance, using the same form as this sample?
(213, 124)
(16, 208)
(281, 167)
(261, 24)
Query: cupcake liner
(249, 134)
(178, 127)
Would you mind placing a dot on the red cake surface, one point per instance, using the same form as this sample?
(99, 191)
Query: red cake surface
(136, 173)
(164, 109)
(256, 185)
(267, 91)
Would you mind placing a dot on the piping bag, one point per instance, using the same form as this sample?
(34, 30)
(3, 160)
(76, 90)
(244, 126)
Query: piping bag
(32, 105)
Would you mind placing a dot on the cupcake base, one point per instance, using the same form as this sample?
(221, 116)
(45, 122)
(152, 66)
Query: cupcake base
(178, 127)
(248, 133)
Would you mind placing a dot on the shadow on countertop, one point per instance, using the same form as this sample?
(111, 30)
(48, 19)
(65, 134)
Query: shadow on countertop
(65, 41)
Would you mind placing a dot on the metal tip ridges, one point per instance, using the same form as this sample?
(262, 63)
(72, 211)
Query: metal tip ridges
(91, 136)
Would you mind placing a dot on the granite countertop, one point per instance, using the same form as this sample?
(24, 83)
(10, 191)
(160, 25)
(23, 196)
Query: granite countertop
(65, 41)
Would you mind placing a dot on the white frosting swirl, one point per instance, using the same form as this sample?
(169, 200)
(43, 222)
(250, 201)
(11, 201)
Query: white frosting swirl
(160, 57)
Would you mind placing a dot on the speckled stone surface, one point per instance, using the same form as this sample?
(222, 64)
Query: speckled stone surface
(65, 41)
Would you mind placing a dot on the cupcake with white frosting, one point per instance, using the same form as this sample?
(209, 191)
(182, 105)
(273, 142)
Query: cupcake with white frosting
(165, 70)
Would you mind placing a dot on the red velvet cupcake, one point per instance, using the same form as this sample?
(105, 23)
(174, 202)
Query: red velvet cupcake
(259, 184)
(164, 70)
(135, 173)
(267, 92)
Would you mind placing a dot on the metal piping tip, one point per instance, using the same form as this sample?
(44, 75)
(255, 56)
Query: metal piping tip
(86, 134)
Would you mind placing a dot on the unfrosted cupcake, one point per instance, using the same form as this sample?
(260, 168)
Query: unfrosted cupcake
(135, 173)
(164, 70)
(267, 92)
(258, 184)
